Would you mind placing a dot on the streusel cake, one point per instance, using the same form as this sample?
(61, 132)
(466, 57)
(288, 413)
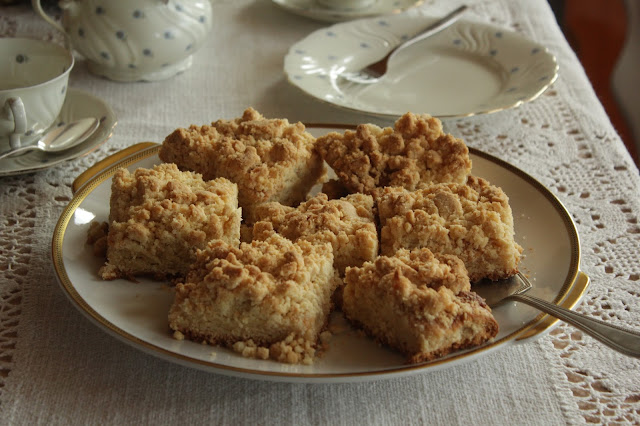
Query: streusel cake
(159, 217)
(266, 299)
(472, 221)
(348, 224)
(412, 155)
(418, 303)
(269, 159)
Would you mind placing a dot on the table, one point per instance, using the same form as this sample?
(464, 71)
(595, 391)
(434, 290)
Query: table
(58, 368)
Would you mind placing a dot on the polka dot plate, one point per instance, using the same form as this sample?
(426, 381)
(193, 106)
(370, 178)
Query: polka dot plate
(469, 68)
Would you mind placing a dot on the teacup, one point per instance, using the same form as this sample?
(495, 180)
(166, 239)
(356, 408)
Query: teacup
(34, 75)
(346, 4)
(134, 40)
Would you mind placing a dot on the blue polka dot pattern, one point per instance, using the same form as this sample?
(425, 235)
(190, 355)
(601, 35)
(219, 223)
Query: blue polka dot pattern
(315, 63)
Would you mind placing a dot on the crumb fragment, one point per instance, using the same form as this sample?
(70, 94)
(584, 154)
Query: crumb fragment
(97, 238)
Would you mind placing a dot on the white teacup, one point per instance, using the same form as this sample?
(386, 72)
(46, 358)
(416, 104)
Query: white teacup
(346, 4)
(34, 75)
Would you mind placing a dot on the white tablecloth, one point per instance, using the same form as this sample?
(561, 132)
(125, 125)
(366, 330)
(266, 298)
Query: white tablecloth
(57, 367)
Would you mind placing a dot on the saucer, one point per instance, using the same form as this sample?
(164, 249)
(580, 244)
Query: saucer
(469, 68)
(311, 9)
(78, 104)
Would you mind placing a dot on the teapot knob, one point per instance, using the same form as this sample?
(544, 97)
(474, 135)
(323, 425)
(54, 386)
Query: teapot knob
(70, 5)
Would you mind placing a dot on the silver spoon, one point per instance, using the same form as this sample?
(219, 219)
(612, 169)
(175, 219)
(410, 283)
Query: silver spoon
(623, 340)
(60, 138)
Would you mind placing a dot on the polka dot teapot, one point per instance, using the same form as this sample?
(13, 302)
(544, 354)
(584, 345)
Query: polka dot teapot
(133, 40)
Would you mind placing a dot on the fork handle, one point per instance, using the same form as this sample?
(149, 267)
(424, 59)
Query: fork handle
(621, 339)
(438, 26)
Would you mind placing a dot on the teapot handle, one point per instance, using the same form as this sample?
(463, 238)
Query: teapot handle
(38, 8)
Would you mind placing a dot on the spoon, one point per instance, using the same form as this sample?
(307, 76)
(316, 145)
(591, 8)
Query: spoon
(621, 339)
(60, 138)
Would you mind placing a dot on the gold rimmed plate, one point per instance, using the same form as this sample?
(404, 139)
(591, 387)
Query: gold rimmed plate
(136, 313)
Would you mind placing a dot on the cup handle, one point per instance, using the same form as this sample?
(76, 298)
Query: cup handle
(19, 120)
(38, 8)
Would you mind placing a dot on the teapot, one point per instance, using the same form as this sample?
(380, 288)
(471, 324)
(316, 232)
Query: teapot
(134, 40)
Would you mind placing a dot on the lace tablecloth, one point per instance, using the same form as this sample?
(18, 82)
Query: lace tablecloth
(56, 367)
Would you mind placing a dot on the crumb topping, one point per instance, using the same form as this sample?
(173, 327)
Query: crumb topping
(160, 216)
(472, 221)
(419, 267)
(413, 154)
(273, 294)
(348, 224)
(418, 303)
(269, 159)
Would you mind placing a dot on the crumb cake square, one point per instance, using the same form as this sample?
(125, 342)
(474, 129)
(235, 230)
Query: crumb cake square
(472, 221)
(269, 159)
(159, 217)
(413, 154)
(417, 303)
(266, 299)
(347, 223)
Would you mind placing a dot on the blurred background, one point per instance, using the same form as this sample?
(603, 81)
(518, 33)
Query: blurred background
(605, 34)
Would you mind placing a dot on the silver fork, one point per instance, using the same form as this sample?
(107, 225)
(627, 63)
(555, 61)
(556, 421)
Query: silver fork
(374, 72)
(622, 339)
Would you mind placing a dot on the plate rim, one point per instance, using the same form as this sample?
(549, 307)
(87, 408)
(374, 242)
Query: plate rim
(321, 15)
(571, 292)
(515, 104)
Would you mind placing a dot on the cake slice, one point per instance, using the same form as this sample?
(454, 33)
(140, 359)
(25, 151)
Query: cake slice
(472, 221)
(417, 303)
(269, 159)
(267, 299)
(347, 223)
(413, 154)
(158, 218)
